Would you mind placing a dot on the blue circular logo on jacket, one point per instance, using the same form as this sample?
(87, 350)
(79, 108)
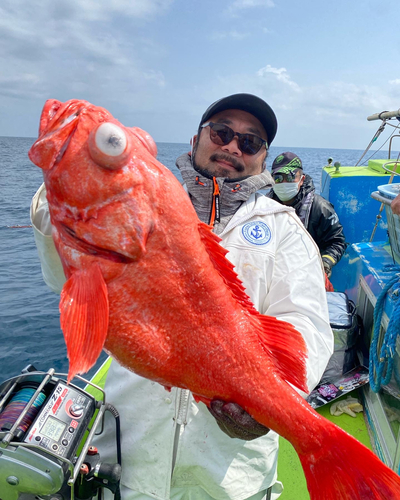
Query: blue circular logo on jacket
(256, 233)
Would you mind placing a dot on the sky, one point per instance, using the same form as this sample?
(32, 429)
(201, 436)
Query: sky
(158, 64)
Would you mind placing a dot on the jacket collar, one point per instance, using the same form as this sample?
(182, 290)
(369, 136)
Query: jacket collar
(232, 194)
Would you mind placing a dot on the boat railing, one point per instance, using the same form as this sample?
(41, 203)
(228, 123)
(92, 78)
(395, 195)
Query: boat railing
(393, 172)
(390, 143)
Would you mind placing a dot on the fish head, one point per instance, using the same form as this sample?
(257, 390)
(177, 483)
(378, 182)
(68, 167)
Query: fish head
(97, 174)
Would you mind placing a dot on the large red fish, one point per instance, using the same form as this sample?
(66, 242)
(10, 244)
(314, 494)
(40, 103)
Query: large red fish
(151, 285)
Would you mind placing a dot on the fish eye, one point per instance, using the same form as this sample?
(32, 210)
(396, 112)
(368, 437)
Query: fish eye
(110, 139)
(110, 146)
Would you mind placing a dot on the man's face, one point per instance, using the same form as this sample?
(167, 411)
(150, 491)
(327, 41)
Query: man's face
(227, 160)
(298, 177)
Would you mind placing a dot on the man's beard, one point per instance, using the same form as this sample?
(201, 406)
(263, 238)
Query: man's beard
(220, 171)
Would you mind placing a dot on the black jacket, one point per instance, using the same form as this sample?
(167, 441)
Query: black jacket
(320, 219)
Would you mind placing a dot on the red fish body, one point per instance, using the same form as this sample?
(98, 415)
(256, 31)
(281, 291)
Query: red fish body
(151, 285)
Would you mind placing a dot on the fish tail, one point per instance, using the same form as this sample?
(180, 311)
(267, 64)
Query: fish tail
(348, 471)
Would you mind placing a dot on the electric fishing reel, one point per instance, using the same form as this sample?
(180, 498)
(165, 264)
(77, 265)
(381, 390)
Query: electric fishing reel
(46, 430)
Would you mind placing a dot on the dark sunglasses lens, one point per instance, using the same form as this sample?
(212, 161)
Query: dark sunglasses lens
(250, 144)
(221, 134)
(289, 177)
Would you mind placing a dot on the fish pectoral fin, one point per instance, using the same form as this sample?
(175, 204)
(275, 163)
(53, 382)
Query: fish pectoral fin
(84, 314)
(202, 399)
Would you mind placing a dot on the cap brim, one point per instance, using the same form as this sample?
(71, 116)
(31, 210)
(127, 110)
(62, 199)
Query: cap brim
(281, 170)
(250, 103)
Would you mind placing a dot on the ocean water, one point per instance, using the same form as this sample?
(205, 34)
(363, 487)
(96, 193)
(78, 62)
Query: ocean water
(29, 317)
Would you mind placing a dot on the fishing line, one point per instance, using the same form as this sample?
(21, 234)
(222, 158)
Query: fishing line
(16, 406)
(396, 127)
(381, 359)
(17, 226)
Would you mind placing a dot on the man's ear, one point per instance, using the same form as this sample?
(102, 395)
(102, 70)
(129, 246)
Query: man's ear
(193, 141)
(264, 165)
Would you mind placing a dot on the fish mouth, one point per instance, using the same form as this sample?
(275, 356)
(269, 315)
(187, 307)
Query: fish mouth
(94, 250)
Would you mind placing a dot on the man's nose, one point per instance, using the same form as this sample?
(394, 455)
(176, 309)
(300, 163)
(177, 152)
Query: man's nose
(232, 147)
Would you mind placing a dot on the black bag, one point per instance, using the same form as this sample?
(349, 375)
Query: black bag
(344, 324)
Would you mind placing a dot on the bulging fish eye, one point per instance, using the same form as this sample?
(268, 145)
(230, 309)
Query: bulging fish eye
(109, 146)
(110, 139)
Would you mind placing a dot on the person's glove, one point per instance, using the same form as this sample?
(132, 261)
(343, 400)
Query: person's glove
(328, 263)
(236, 422)
(350, 405)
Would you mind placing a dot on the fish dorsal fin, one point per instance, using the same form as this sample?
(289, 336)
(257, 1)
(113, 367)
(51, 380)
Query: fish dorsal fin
(84, 318)
(281, 341)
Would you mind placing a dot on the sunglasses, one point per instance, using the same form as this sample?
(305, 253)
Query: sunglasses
(222, 135)
(288, 177)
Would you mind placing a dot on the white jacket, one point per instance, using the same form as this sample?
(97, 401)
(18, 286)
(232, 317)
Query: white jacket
(168, 440)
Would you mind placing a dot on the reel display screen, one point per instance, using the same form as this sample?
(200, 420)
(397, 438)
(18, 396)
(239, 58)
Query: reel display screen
(62, 420)
(53, 428)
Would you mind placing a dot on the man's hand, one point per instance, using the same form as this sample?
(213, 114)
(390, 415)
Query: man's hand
(328, 263)
(235, 422)
(396, 205)
(328, 284)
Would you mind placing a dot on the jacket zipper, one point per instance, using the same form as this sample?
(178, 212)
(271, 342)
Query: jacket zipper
(181, 413)
(215, 208)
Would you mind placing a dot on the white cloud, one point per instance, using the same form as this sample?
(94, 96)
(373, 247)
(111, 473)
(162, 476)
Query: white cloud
(280, 74)
(309, 115)
(246, 4)
(88, 10)
(67, 49)
(238, 6)
(155, 76)
(221, 35)
(395, 82)
(25, 84)
(339, 99)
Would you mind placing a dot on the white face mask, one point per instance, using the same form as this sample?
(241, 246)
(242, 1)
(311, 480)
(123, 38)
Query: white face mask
(285, 191)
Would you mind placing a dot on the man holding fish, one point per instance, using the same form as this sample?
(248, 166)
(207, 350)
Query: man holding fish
(172, 446)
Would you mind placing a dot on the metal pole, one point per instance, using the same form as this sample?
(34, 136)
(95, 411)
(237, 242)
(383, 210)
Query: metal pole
(384, 115)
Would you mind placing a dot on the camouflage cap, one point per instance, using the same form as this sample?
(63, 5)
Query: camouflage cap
(286, 162)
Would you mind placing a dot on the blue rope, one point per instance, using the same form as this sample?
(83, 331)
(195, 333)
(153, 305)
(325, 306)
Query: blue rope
(381, 367)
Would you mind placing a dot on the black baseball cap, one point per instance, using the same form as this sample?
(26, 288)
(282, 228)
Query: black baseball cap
(246, 102)
(286, 162)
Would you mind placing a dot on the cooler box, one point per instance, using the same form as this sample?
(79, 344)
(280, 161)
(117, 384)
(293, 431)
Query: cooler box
(343, 321)
(389, 190)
